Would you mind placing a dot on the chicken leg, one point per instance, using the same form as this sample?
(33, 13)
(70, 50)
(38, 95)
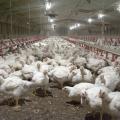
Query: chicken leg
(101, 114)
(17, 106)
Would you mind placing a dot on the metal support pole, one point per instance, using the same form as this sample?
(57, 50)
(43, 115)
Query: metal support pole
(29, 16)
(11, 20)
(102, 30)
(40, 24)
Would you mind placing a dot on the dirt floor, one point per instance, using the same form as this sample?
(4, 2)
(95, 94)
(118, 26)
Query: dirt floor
(56, 107)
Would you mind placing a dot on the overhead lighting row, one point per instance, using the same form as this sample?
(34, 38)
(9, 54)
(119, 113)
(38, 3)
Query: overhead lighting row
(48, 6)
(100, 16)
(77, 25)
(90, 20)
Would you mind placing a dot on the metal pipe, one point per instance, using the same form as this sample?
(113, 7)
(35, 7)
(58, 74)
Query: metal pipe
(11, 20)
(29, 16)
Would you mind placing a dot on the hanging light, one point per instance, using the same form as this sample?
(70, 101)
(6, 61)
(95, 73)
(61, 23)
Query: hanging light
(118, 8)
(51, 20)
(78, 24)
(48, 5)
(100, 15)
(90, 20)
(71, 28)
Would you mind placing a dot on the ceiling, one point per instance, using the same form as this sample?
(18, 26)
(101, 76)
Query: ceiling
(67, 12)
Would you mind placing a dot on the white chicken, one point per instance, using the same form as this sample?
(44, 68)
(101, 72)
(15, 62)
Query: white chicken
(30, 59)
(106, 69)
(18, 65)
(16, 87)
(17, 73)
(80, 61)
(3, 73)
(82, 75)
(61, 74)
(95, 64)
(44, 67)
(93, 100)
(63, 62)
(41, 79)
(109, 79)
(111, 103)
(50, 61)
(28, 71)
(6, 67)
(75, 92)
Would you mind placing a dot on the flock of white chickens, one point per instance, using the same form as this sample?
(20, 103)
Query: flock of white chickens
(93, 80)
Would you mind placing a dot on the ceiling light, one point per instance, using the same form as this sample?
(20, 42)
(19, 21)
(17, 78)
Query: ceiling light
(118, 8)
(71, 28)
(48, 5)
(51, 20)
(100, 15)
(90, 20)
(78, 24)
